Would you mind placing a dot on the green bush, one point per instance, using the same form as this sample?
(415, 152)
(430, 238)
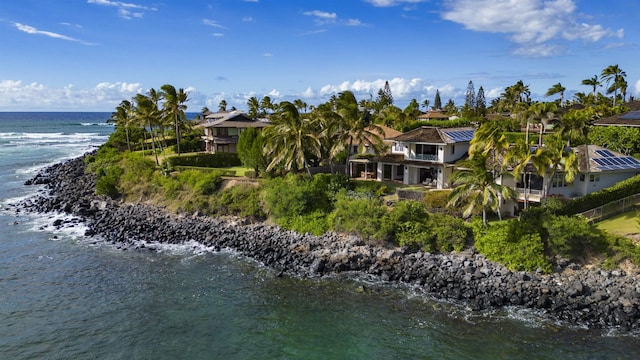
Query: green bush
(313, 223)
(436, 199)
(217, 160)
(108, 179)
(451, 233)
(573, 236)
(360, 215)
(513, 244)
(241, 200)
(208, 183)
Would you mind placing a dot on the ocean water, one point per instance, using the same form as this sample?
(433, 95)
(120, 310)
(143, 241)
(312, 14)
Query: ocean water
(65, 296)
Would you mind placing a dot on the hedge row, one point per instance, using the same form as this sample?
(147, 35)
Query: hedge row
(620, 190)
(216, 160)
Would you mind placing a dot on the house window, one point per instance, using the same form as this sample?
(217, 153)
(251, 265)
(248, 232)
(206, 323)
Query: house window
(222, 132)
(582, 177)
(558, 181)
(222, 148)
(453, 149)
(398, 147)
(594, 177)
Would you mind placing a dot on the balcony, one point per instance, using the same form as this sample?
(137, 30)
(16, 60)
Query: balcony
(426, 157)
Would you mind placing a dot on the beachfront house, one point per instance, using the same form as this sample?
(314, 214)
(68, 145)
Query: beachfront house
(222, 130)
(598, 168)
(425, 155)
(363, 163)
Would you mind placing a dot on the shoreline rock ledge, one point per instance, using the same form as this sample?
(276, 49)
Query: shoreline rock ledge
(586, 297)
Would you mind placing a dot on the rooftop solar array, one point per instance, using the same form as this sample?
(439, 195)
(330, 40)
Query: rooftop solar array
(632, 115)
(459, 135)
(605, 153)
(617, 163)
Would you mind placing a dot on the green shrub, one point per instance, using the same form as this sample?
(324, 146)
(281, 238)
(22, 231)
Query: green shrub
(108, 179)
(359, 215)
(451, 233)
(241, 200)
(208, 183)
(572, 236)
(250, 174)
(217, 160)
(513, 244)
(436, 199)
(313, 223)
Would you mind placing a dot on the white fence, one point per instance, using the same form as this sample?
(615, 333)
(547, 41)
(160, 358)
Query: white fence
(612, 208)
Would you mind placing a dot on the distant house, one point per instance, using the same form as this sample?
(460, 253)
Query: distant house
(222, 130)
(433, 115)
(630, 118)
(425, 155)
(598, 168)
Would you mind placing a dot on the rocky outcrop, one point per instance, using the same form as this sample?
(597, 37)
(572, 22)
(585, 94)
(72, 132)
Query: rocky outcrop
(593, 297)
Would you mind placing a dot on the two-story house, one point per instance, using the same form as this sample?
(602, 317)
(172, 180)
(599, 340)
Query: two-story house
(425, 155)
(222, 130)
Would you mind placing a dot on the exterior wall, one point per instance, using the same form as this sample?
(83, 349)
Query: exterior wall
(453, 152)
(587, 183)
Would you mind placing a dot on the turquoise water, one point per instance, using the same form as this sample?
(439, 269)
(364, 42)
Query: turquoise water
(64, 296)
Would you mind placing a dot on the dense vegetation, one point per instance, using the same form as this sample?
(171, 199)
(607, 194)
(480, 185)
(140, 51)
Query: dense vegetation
(287, 194)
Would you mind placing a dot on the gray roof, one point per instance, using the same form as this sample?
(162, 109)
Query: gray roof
(234, 119)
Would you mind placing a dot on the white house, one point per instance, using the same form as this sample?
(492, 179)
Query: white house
(425, 155)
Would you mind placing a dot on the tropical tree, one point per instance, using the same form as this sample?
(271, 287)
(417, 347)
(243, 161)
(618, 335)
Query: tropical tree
(300, 105)
(174, 107)
(481, 103)
(254, 107)
(556, 89)
(147, 113)
(614, 77)
(575, 124)
(266, 105)
(488, 140)
(222, 106)
(289, 141)
(594, 82)
(558, 157)
(250, 146)
(541, 113)
(123, 117)
(475, 186)
(357, 124)
(437, 102)
(425, 104)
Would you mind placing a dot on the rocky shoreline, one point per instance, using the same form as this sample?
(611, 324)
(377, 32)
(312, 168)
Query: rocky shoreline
(587, 297)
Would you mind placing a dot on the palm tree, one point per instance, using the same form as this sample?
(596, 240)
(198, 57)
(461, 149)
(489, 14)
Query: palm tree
(556, 89)
(174, 108)
(147, 112)
(558, 157)
(266, 104)
(254, 106)
(489, 139)
(425, 104)
(123, 117)
(575, 124)
(475, 186)
(300, 105)
(612, 74)
(290, 139)
(593, 82)
(357, 124)
(518, 157)
(222, 106)
(540, 113)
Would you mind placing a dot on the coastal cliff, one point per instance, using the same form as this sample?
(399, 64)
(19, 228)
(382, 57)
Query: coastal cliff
(592, 297)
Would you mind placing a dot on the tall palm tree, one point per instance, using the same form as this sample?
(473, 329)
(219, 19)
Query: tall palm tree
(266, 105)
(300, 105)
(558, 157)
(222, 106)
(574, 124)
(290, 139)
(475, 185)
(518, 157)
(594, 82)
(147, 112)
(425, 104)
(254, 106)
(489, 139)
(174, 108)
(613, 75)
(357, 124)
(123, 117)
(556, 89)
(541, 113)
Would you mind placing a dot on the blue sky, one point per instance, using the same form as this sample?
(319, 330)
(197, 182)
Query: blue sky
(88, 55)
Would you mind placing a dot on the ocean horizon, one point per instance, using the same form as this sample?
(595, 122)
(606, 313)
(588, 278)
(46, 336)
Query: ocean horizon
(64, 295)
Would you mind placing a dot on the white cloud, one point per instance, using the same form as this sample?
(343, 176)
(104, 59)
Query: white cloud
(322, 17)
(527, 22)
(389, 3)
(267, 55)
(14, 95)
(33, 31)
(124, 9)
(213, 23)
(247, 19)
(274, 94)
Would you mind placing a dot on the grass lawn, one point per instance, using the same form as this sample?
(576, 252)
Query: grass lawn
(623, 225)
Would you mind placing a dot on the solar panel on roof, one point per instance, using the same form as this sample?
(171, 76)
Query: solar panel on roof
(460, 135)
(605, 153)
